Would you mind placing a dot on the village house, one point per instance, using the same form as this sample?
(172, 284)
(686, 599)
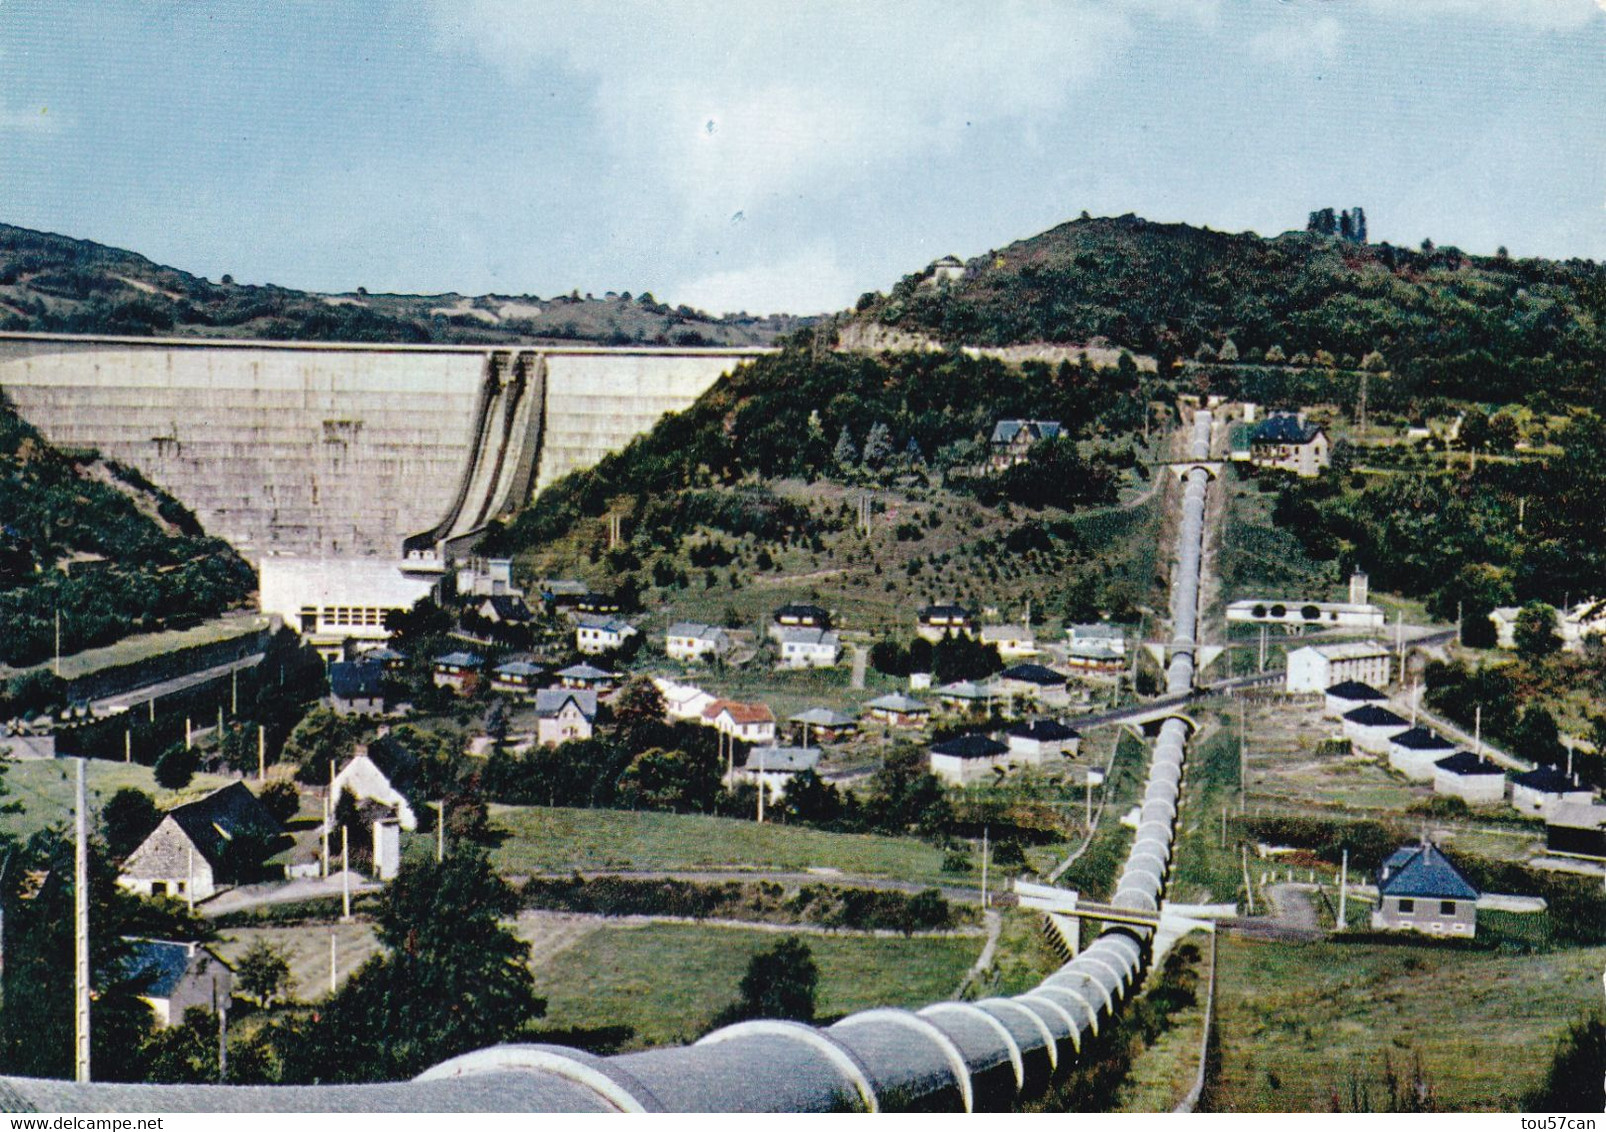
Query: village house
(459, 671)
(1370, 728)
(824, 725)
(1097, 648)
(1544, 787)
(1031, 681)
(691, 640)
(809, 648)
(172, 977)
(968, 758)
(592, 604)
(969, 695)
(1347, 695)
(588, 677)
(1416, 751)
(1582, 622)
(564, 714)
(519, 678)
(1286, 442)
(594, 636)
(378, 774)
(898, 710)
(948, 269)
(1476, 781)
(934, 622)
(562, 594)
(1420, 890)
(682, 701)
(1041, 740)
(219, 839)
(751, 723)
(1013, 642)
(798, 616)
(356, 687)
(384, 656)
(1012, 441)
(1315, 668)
(1576, 830)
(504, 609)
(773, 768)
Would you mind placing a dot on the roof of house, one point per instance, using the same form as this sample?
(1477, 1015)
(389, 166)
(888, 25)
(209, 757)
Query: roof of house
(1284, 428)
(585, 672)
(1348, 650)
(945, 613)
(1546, 780)
(508, 607)
(1425, 872)
(1096, 631)
(1421, 739)
(739, 712)
(1373, 716)
(390, 758)
(383, 653)
(696, 630)
(803, 612)
(459, 660)
(356, 680)
(213, 821)
(1038, 674)
(156, 966)
(1576, 815)
(598, 602)
(1005, 432)
(1467, 764)
(967, 690)
(970, 747)
(1044, 731)
(1007, 633)
(615, 625)
(805, 635)
(897, 701)
(517, 668)
(1356, 691)
(782, 760)
(549, 701)
(824, 717)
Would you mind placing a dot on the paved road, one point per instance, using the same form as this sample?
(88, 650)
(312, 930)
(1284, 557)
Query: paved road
(861, 659)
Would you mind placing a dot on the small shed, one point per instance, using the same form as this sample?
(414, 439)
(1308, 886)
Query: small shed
(1415, 752)
(1464, 775)
(1039, 740)
(1347, 695)
(1371, 727)
(968, 758)
(1538, 790)
(1576, 830)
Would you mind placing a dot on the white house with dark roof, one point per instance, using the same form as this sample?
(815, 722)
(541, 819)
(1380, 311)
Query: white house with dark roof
(824, 725)
(172, 977)
(1031, 681)
(1419, 889)
(1012, 441)
(798, 615)
(594, 636)
(1370, 728)
(1284, 440)
(1539, 790)
(693, 641)
(201, 845)
(1042, 740)
(1347, 695)
(1415, 751)
(378, 774)
(357, 687)
(518, 678)
(564, 715)
(1477, 782)
(809, 648)
(969, 758)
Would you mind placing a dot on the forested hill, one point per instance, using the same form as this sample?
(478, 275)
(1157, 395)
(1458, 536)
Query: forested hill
(1442, 322)
(55, 283)
(95, 542)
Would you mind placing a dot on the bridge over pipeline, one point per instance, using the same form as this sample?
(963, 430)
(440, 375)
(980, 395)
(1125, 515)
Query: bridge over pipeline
(338, 450)
(990, 1055)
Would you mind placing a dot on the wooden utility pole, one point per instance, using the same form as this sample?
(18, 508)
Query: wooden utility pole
(1343, 892)
(761, 789)
(440, 832)
(57, 668)
(262, 753)
(81, 929)
(332, 954)
(985, 853)
(345, 873)
(128, 745)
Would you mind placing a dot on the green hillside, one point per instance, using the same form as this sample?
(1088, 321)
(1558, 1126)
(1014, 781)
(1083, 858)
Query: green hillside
(1443, 322)
(97, 543)
(58, 284)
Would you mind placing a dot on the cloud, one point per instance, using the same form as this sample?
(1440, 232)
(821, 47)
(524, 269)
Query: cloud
(28, 121)
(1540, 15)
(1298, 42)
(809, 282)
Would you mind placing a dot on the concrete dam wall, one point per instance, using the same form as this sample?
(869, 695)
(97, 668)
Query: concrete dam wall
(339, 450)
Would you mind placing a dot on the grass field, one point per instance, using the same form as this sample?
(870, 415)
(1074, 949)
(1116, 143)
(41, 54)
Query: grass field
(1299, 1021)
(667, 981)
(44, 788)
(146, 645)
(542, 839)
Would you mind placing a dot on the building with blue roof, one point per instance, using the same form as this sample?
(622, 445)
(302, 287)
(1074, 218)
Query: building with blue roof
(1420, 889)
(1285, 441)
(174, 977)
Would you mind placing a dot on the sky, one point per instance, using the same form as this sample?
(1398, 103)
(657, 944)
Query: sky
(769, 157)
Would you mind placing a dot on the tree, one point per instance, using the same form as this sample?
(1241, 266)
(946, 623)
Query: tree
(1474, 431)
(1574, 1082)
(263, 974)
(638, 716)
(1537, 738)
(281, 799)
(1229, 351)
(845, 454)
(321, 738)
(175, 767)
(127, 820)
(1535, 631)
(1342, 457)
(878, 445)
(780, 983)
(1503, 432)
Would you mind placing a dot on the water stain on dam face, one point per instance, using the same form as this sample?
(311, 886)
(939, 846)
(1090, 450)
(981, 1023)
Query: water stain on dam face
(336, 449)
